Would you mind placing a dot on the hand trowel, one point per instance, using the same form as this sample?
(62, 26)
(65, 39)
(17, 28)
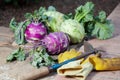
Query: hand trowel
(28, 72)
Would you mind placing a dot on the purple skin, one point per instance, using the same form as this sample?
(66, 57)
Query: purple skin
(56, 42)
(35, 32)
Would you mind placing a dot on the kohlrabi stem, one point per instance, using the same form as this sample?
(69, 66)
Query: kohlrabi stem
(78, 16)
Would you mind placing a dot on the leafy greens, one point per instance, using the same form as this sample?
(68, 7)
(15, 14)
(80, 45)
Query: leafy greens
(103, 28)
(97, 26)
(41, 58)
(18, 54)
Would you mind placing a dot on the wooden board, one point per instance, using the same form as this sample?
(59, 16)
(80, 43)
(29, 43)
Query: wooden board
(111, 46)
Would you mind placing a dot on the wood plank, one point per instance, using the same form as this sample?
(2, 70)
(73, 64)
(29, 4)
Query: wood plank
(112, 48)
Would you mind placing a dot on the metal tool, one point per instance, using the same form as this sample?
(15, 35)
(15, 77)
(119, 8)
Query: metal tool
(88, 50)
(28, 72)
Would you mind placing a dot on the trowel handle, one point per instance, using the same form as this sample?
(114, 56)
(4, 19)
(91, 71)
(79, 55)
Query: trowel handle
(36, 73)
(28, 72)
(56, 66)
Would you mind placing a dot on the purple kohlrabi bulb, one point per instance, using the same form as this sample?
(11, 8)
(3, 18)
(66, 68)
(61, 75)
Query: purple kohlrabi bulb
(56, 42)
(35, 32)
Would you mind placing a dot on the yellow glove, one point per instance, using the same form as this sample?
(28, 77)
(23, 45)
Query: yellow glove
(76, 69)
(68, 55)
(105, 64)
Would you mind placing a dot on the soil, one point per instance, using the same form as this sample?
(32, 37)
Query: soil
(65, 6)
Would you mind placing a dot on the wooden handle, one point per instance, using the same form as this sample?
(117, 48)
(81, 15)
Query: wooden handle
(26, 72)
(32, 73)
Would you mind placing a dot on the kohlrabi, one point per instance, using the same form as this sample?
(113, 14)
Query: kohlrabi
(35, 32)
(55, 19)
(74, 29)
(56, 42)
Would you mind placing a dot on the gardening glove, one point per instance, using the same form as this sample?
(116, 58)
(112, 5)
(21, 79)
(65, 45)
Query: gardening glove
(105, 64)
(76, 69)
(68, 55)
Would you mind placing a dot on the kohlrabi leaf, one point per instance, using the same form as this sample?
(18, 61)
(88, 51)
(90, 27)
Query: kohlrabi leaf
(41, 58)
(16, 55)
(82, 11)
(28, 16)
(51, 8)
(68, 16)
(41, 11)
(55, 19)
(52, 24)
(89, 26)
(21, 55)
(102, 16)
(87, 18)
(103, 30)
(10, 57)
(36, 14)
(13, 24)
(19, 32)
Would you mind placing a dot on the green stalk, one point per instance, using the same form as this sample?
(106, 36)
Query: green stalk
(78, 16)
(82, 11)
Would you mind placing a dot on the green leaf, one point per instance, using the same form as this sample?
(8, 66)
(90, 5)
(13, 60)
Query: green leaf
(42, 10)
(102, 16)
(68, 16)
(16, 55)
(28, 16)
(10, 58)
(19, 32)
(89, 26)
(51, 23)
(51, 8)
(36, 14)
(84, 15)
(88, 7)
(87, 18)
(82, 11)
(13, 24)
(41, 58)
(56, 17)
(103, 30)
(44, 17)
(21, 55)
